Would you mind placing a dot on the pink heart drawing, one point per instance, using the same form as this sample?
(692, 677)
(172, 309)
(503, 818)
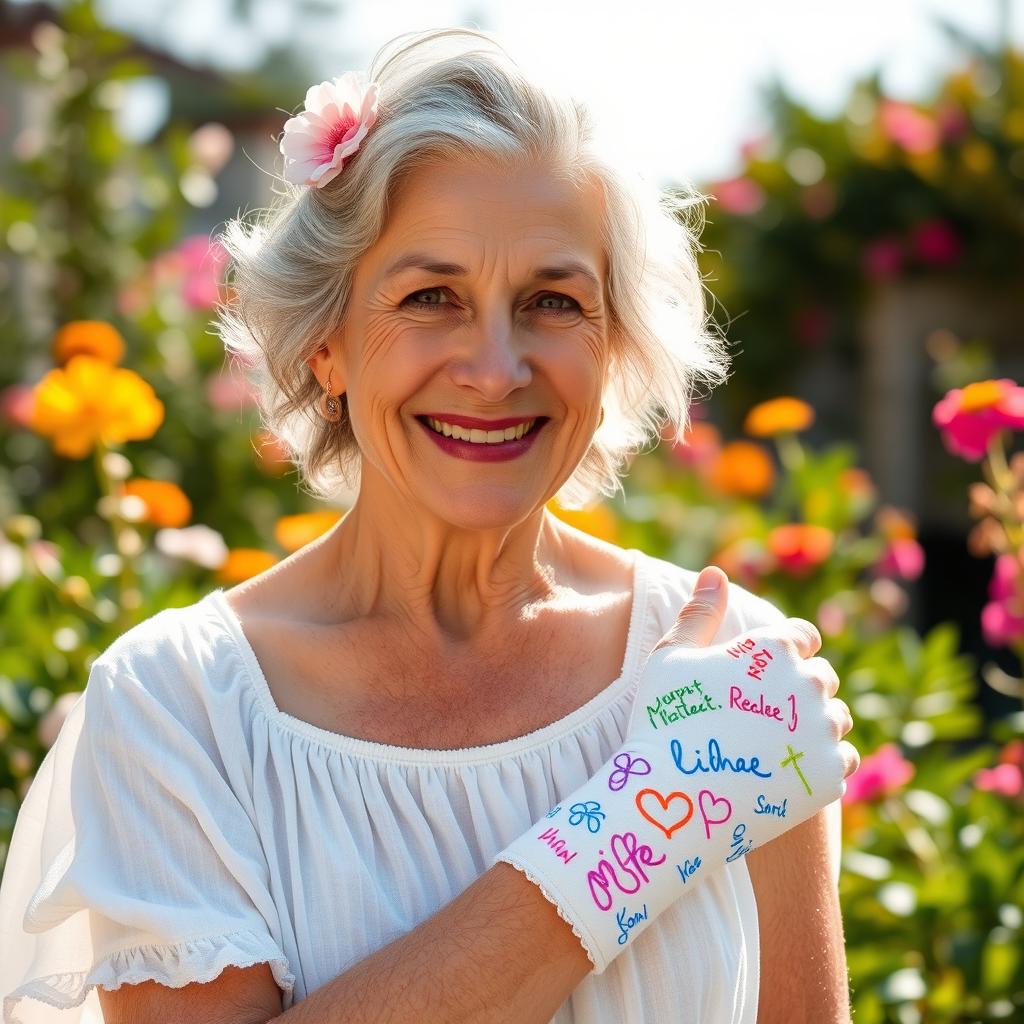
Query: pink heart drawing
(716, 805)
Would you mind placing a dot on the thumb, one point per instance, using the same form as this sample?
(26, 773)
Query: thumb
(699, 619)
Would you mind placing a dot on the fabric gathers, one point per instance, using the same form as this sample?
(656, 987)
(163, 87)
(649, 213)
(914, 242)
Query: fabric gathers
(182, 823)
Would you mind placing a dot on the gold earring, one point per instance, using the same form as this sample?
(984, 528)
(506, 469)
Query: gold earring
(330, 406)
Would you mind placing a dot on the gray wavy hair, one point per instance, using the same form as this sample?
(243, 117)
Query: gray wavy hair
(447, 94)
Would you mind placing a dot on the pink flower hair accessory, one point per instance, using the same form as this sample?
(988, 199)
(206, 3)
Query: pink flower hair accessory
(337, 115)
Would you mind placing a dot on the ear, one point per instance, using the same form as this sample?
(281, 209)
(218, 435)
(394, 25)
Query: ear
(323, 362)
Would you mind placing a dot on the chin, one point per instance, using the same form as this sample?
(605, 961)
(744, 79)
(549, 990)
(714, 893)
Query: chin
(484, 508)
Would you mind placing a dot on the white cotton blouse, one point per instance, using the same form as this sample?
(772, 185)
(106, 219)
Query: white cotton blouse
(182, 823)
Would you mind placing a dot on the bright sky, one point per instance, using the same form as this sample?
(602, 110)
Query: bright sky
(676, 79)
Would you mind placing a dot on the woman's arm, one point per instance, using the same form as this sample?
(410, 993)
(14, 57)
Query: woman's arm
(803, 957)
(498, 952)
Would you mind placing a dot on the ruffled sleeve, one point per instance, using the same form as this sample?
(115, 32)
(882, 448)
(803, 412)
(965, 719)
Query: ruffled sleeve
(132, 859)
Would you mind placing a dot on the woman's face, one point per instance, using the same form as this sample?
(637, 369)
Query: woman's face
(479, 314)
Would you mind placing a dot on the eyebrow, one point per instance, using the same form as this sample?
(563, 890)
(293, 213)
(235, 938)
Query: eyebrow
(559, 272)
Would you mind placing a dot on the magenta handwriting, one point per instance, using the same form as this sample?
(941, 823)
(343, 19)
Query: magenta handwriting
(626, 874)
(550, 836)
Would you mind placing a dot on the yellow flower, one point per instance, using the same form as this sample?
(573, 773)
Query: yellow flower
(89, 401)
(294, 532)
(166, 503)
(88, 338)
(778, 416)
(244, 563)
(743, 469)
(598, 521)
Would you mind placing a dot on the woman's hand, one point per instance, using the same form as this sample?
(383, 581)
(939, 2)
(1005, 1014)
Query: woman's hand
(728, 746)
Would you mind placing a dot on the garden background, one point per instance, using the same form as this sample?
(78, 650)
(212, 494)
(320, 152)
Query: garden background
(862, 468)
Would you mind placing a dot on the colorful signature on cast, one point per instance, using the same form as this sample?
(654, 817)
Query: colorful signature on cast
(762, 707)
(674, 707)
(764, 807)
(627, 874)
(738, 847)
(627, 923)
(714, 761)
(558, 846)
(688, 868)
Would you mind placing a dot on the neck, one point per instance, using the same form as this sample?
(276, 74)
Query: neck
(440, 581)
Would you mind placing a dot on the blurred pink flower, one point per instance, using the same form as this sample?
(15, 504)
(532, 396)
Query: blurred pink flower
(16, 404)
(229, 391)
(903, 558)
(1000, 625)
(879, 774)
(739, 195)
(1004, 779)
(909, 128)
(195, 265)
(970, 417)
(883, 257)
(1005, 578)
(936, 243)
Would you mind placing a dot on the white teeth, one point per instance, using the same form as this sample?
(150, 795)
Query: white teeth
(476, 436)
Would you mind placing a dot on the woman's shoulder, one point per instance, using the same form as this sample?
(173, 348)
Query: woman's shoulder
(670, 586)
(179, 658)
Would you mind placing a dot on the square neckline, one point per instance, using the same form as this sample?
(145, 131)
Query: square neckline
(488, 753)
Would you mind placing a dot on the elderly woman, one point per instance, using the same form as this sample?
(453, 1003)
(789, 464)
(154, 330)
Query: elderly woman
(428, 768)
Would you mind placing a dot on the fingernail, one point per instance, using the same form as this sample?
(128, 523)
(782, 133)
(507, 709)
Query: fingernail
(708, 582)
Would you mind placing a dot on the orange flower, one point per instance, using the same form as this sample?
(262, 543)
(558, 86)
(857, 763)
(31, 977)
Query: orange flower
(271, 454)
(244, 563)
(800, 547)
(857, 483)
(89, 401)
(598, 521)
(778, 416)
(294, 532)
(94, 338)
(895, 524)
(166, 503)
(743, 469)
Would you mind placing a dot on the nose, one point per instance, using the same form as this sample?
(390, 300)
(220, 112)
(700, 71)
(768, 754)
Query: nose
(492, 361)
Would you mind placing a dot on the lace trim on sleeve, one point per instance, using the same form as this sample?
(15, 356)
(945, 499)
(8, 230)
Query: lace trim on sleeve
(176, 965)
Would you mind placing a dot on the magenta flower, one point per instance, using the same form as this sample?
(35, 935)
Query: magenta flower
(879, 774)
(970, 417)
(903, 559)
(1002, 619)
(883, 257)
(336, 118)
(1004, 779)
(936, 243)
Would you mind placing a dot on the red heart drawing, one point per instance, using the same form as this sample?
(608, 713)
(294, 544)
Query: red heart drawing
(718, 804)
(674, 825)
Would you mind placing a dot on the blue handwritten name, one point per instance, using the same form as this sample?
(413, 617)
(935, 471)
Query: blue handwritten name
(763, 807)
(627, 923)
(738, 849)
(716, 761)
(687, 868)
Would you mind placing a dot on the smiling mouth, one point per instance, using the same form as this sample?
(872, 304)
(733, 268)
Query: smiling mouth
(476, 435)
